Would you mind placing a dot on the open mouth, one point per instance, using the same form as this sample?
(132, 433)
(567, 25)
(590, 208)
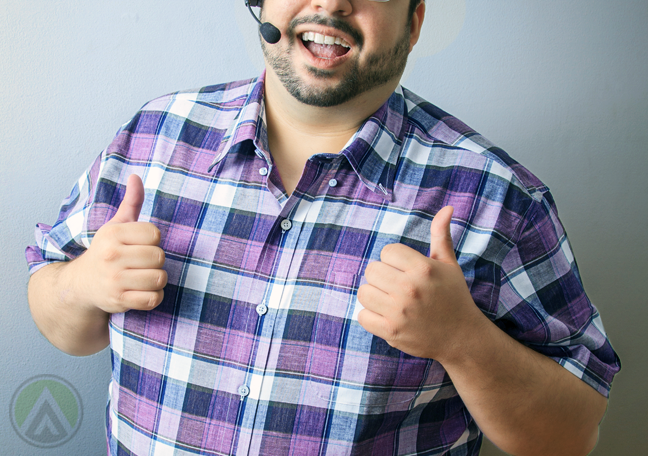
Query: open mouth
(324, 46)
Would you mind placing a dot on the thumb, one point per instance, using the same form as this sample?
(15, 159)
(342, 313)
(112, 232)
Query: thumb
(441, 247)
(131, 205)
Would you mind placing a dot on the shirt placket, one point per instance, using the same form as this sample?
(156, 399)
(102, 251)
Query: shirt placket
(285, 236)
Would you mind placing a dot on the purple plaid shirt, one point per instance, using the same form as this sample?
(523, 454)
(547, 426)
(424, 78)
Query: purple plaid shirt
(256, 347)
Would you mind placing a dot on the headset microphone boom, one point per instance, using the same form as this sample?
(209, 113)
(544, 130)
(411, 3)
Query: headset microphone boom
(269, 32)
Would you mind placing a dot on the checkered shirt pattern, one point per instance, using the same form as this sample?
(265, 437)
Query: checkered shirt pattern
(256, 347)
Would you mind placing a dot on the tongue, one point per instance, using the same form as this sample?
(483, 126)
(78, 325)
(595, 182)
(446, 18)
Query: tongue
(325, 51)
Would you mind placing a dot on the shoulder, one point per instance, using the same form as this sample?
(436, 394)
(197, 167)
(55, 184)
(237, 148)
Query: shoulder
(213, 95)
(186, 116)
(202, 105)
(434, 128)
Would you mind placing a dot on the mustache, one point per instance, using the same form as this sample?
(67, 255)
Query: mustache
(331, 22)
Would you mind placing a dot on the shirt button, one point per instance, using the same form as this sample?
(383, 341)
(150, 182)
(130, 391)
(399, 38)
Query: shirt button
(333, 183)
(262, 309)
(286, 225)
(263, 171)
(243, 391)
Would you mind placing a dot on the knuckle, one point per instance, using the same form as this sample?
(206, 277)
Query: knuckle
(371, 268)
(386, 251)
(118, 278)
(161, 279)
(110, 253)
(361, 291)
(156, 235)
(114, 231)
(361, 316)
(425, 269)
(391, 333)
(160, 257)
(118, 304)
(410, 290)
(156, 299)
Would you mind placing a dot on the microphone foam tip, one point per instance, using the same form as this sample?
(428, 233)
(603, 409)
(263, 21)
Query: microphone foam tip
(270, 33)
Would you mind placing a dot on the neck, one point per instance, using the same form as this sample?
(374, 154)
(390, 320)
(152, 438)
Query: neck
(328, 127)
(297, 131)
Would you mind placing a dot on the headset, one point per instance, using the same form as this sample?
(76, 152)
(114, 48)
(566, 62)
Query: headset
(269, 32)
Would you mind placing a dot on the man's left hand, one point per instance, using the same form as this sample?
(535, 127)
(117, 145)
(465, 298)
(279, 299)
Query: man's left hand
(420, 305)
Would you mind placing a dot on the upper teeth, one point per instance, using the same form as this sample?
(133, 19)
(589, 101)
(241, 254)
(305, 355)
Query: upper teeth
(324, 39)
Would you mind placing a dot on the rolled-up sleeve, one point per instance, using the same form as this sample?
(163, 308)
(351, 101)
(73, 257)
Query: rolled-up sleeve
(543, 304)
(69, 237)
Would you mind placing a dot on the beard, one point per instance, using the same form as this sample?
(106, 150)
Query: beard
(378, 68)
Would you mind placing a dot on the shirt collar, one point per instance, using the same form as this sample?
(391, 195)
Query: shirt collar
(249, 123)
(373, 151)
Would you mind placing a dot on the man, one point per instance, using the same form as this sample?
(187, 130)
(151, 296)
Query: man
(317, 261)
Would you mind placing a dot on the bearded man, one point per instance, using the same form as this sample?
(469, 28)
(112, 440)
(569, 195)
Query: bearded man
(319, 262)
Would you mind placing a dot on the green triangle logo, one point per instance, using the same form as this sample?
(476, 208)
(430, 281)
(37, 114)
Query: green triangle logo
(46, 411)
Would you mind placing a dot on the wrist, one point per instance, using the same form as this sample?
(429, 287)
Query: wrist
(473, 336)
(74, 287)
(68, 323)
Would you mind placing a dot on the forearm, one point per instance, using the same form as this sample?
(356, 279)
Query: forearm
(72, 326)
(524, 402)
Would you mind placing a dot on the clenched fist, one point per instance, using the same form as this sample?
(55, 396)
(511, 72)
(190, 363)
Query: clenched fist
(122, 268)
(420, 305)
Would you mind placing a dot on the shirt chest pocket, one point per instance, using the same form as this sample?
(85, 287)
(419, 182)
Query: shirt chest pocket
(355, 371)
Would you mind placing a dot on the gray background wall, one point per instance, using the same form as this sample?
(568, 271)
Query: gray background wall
(562, 86)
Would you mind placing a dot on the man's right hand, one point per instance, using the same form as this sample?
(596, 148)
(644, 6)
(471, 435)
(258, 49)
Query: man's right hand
(122, 268)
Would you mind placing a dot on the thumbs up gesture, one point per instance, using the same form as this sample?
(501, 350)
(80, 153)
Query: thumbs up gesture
(122, 268)
(420, 305)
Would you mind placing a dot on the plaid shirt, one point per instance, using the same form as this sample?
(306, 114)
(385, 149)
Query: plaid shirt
(256, 347)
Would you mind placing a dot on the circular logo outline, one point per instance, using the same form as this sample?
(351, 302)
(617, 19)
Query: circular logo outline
(21, 389)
